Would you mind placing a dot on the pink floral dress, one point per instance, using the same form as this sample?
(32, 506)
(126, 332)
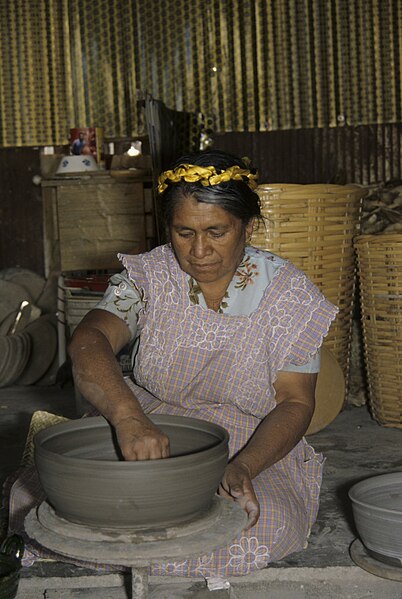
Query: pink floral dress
(221, 366)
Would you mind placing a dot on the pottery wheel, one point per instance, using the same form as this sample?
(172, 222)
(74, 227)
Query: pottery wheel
(361, 556)
(216, 528)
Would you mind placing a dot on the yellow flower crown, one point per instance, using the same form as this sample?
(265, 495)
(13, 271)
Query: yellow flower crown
(206, 175)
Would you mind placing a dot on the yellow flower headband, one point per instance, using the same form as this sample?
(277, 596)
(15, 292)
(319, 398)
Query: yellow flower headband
(206, 175)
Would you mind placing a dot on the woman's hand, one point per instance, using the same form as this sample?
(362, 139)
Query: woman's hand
(140, 439)
(236, 485)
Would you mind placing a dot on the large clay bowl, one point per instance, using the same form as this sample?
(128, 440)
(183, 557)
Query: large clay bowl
(87, 482)
(377, 511)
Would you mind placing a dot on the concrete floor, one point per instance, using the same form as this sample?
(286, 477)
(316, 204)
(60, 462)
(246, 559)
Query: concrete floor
(355, 446)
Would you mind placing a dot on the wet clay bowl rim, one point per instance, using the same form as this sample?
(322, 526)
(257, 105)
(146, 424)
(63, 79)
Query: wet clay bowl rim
(377, 511)
(109, 493)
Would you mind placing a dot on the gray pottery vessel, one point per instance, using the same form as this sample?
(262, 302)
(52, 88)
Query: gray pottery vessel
(377, 511)
(87, 482)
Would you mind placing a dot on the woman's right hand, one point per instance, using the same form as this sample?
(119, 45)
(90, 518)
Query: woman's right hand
(140, 439)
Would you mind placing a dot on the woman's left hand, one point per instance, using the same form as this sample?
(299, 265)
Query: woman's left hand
(236, 485)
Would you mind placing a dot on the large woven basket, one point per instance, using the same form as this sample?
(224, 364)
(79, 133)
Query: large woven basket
(379, 260)
(314, 226)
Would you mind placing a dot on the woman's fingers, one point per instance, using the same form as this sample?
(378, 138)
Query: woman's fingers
(236, 485)
(139, 440)
(248, 501)
(146, 448)
(252, 508)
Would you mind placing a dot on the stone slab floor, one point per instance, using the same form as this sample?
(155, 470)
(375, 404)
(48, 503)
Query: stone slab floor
(355, 446)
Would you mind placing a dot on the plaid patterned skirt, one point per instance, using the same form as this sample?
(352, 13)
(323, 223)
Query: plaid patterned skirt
(288, 493)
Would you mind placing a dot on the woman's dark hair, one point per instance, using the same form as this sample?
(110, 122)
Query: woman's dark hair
(234, 196)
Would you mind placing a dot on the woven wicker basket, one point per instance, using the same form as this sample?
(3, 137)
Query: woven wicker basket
(314, 226)
(380, 274)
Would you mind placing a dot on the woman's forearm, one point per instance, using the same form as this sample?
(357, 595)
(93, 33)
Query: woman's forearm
(94, 345)
(282, 428)
(98, 375)
(99, 378)
(277, 434)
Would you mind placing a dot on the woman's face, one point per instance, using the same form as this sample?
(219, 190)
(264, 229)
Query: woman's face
(208, 241)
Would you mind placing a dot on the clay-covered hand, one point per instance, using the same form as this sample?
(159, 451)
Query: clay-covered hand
(140, 439)
(236, 485)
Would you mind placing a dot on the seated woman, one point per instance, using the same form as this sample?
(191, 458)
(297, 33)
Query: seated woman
(224, 332)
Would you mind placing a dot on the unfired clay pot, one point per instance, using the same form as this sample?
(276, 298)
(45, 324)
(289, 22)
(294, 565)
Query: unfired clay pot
(377, 511)
(87, 482)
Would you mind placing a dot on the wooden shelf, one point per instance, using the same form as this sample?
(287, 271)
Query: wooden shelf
(89, 219)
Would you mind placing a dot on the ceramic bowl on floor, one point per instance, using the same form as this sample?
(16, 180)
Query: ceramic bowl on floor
(86, 481)
(377, 511)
